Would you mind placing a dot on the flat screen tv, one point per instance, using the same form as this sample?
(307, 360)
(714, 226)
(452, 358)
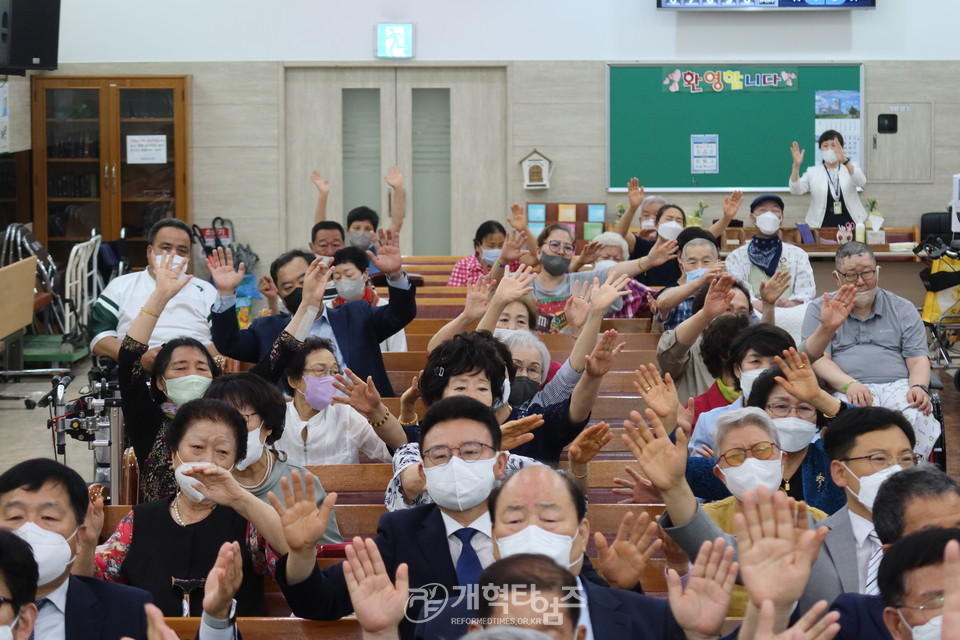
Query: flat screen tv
(764, 5)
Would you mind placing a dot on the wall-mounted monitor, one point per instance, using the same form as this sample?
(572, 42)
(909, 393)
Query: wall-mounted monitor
(765, 5)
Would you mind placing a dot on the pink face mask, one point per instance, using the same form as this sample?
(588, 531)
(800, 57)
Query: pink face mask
(319, 391)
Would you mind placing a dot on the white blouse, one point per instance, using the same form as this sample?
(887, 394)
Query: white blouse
(814, 181)
(335, 435)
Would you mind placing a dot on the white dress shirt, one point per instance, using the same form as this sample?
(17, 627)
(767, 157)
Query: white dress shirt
(51, 623)
(482, 542)
(335, 435)
(584, 611)
(862, 528)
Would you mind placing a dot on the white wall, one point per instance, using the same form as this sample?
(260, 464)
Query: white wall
(452, 30)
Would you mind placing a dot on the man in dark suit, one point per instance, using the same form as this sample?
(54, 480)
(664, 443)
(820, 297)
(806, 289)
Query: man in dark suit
(909, 501)
(356, 329)
(18, 586)
(45, 504)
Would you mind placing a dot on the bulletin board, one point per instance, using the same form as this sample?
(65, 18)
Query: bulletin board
(726, 126)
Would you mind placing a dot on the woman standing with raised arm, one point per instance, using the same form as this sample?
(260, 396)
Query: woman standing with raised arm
(832, 184)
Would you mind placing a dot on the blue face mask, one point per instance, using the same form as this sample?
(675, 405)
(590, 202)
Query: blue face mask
(695, 274)
(491, 255)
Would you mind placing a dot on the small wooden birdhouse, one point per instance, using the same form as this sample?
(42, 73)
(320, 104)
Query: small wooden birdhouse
(536, 170)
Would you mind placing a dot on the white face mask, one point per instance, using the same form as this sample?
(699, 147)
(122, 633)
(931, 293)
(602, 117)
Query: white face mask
(254, 448)
(186, 388)
(605, 264)
(669, 230)
(533, 539)
(747, 378)
(6, 631)
(186, 483)
(174, 265)
(504, 391)
(795, 433)
(349, 289)
(870, 485)
(459, 485)
(648, 223)
(51, 551)
(930, 630)
(865, 298)
(751, 474)
(829, 156)
(768, 223)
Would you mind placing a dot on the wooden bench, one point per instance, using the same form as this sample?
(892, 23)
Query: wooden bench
(615, 383)
(415, 360)
(613, 408)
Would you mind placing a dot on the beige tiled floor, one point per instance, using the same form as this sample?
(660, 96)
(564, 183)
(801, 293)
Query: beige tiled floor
(24, 433)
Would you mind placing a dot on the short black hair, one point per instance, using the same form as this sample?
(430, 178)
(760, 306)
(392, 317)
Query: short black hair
(830, 134)
(853, 422)
(209, 410)
(176, 223)
(696, 233)
(915, 551)
(715, 344)
(298, 362)
(766, 339)
(701, 295)
(890, 505)
(359, 214)
(285, 259)
(529, 571)
(577, 496)
(165, 355)
(456, 408)
(249, 390)
(462, 354)
(487, 228)
(354, 256)
(18, 569)
(663, 209)
(326, 225)
(31, 475)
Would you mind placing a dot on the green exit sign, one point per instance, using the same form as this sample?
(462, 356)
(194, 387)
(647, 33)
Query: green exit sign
(394, 40)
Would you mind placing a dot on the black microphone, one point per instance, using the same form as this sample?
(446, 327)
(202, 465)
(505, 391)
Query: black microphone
(62, 387)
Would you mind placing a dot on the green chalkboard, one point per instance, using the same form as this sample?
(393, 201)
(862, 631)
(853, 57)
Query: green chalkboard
(650, 127)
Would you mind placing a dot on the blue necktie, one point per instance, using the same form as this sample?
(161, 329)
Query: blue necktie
(40, 604)
(468, 564)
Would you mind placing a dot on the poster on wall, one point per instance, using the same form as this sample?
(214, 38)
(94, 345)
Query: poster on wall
(840, 111)
(4, 118)
(147, 149)
(705, 153)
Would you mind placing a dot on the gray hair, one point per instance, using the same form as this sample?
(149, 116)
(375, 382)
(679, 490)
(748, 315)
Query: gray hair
(528, 339)
(612, 238)
(890, 505)
(506, 633)
(850, 250)
(737, 418)
(699, 242)
(658, 200)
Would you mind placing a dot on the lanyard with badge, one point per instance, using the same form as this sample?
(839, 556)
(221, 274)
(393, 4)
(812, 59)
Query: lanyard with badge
(835, 191)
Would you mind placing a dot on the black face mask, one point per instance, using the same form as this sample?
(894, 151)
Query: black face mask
(293, 300)
(522, 389)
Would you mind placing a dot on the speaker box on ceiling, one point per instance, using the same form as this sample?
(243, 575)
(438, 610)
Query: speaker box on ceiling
(29, 34)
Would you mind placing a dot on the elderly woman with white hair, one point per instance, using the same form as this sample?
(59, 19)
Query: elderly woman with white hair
(749, 456)
(613, 249)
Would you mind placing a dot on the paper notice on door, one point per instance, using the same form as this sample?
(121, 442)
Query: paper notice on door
(705, 153)
(147, 149)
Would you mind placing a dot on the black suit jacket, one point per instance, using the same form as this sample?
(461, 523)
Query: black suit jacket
(358, 327)
(100, 610)
(861, 617)
(614, 613)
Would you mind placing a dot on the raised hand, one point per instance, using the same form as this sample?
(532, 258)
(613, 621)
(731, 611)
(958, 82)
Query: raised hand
(169, 282)
(676, 557)
(478, 298)
(387, 257)
(798, 378)
(394, 178)
(776, 549)
(315, 282)
(835, 310)
(635, 193)
(719, 295)
(322, 184)
(797, 154)
(813, 625)
(514, 286)
(224, 277)
(223, 581)
(589, 253)
(600, 360)
(303, 523)
(663, 462)
(605, 294)
(516, 432)
(267, 288)
(378, 602)
(685, 418)
(951, 591)
(518, 219)
(662, 251)
(622, 563)
(635, 487)
(408, 400)
(512, 247)
(361, 395)
(93, 522)
(701, 607)
(660, 394)
(731, 204)
(776, 286)
(588, 443)
(577, 306)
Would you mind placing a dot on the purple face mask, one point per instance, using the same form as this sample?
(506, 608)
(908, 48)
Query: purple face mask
(319, 391)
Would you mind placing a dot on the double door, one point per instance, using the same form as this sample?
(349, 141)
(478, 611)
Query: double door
(109, 158)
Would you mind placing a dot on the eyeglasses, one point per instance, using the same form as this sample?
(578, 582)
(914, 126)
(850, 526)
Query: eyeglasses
(881, 461)
(4, 600)
(933, 603)
(321, 372)
(534, 369)
(851, 278)
(803, 411)
(556, 246)
(761, 451)
(468, 451)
